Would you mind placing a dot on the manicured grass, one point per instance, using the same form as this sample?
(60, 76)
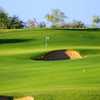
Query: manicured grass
(50, 80)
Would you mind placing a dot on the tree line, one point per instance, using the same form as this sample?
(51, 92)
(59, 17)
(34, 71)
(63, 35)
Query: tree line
(56, 18)
(9, 22)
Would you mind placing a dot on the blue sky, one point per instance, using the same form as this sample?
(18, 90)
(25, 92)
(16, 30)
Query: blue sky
(74, 9)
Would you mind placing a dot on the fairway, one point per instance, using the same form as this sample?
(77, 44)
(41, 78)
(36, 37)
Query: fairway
(50, 80)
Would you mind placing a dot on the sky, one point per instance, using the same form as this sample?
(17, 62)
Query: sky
(74, 9)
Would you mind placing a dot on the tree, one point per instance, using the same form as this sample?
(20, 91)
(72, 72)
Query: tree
(42, 24)
(32, 23)
(8, 22)
(56, 17)
(15, 23)
(74, 24)
(3, 19)
(95, 21)
(78, 24)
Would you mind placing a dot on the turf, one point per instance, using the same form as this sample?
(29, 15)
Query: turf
(50, 80)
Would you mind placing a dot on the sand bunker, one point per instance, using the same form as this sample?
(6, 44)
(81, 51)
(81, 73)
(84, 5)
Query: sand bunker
(60, 55)
(12, 98)
(25, 98)
(73, 54)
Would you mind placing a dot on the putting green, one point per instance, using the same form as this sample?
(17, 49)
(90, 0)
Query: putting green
(72, 80)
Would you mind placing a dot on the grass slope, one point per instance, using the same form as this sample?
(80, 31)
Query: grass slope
(72, 80)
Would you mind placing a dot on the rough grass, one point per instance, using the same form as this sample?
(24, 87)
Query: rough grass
(63, 80)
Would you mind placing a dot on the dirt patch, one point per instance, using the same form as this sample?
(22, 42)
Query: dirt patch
(59, 55)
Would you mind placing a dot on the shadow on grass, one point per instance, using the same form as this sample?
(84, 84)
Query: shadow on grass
(11, 41)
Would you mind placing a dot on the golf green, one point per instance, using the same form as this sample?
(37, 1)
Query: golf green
(50, 80)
